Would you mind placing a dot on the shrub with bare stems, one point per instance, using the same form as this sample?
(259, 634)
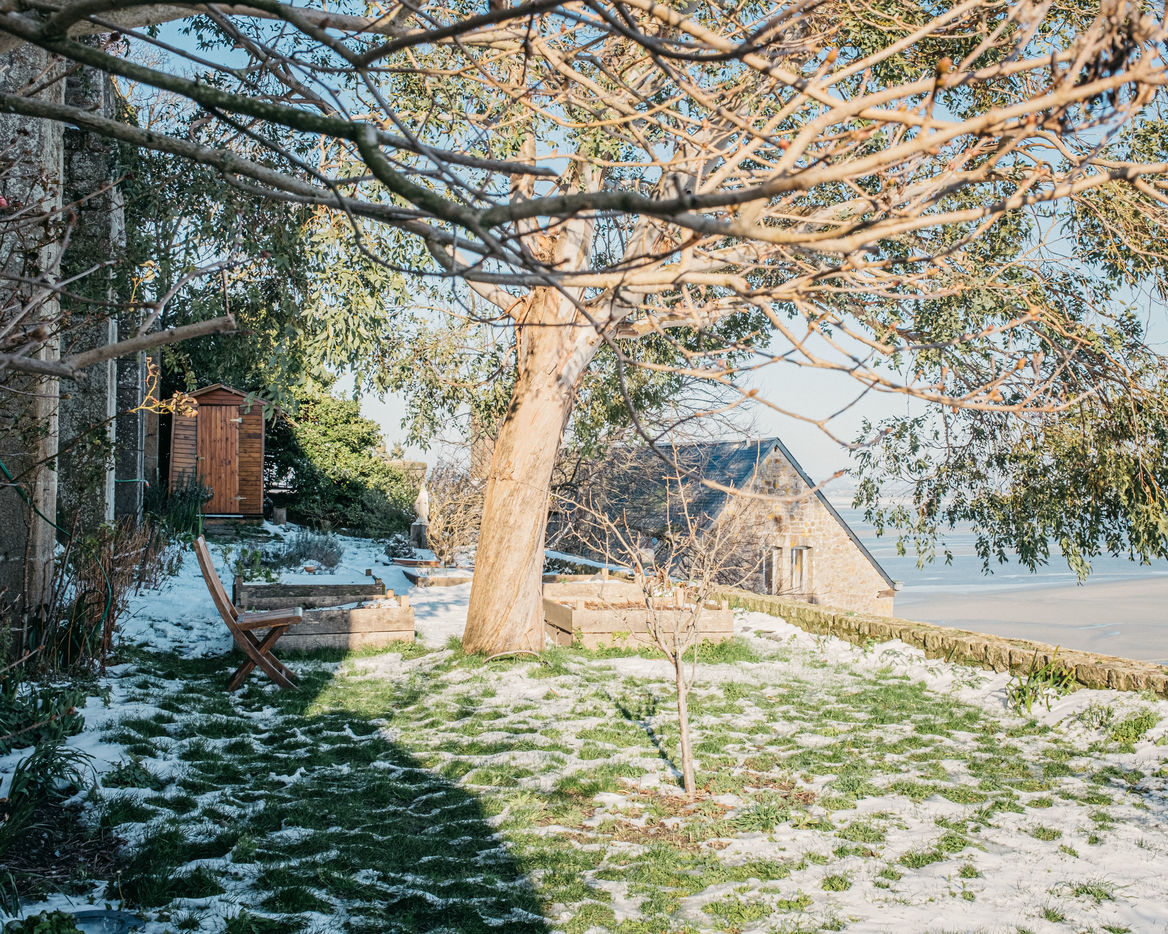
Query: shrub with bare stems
(455, 511)
(679, 560)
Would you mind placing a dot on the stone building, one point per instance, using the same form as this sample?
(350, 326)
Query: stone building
(751, 500)
(806, 550)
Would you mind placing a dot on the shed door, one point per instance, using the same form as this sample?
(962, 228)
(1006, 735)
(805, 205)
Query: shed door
(219, 457)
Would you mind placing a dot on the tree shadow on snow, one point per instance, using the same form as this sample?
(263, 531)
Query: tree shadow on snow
(311, 816)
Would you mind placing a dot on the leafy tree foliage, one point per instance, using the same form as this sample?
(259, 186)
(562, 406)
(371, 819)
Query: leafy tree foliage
(1090, 479)
(332, 460)
(281, 290)
(180, 217)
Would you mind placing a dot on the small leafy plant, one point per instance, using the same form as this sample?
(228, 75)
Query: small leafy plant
(178, 511)
(40, 783)
(762, 818)
(307, 547)
(1040, 685)
(398, 546)
(1132, 729)
(1097, 716)
(46, 922)
(32, 714)
(251, 564)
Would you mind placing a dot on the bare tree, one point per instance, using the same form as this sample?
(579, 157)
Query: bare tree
(876, 191)
(679, 560)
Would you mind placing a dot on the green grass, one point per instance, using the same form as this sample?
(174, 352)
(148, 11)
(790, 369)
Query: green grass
(862, 832)
(1053, 914)
(1096, 890)
(1131, 729)
(738, 912)
(429, 799)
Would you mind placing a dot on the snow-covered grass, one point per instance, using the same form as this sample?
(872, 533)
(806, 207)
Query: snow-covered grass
(844, 788)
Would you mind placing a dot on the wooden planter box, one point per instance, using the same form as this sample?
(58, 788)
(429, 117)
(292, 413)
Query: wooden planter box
(254, 595)
(612, 613)
(378, 620)
(371, 625)
(431, 574)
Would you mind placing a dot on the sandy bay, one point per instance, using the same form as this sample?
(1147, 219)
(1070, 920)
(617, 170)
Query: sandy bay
(1115, 617)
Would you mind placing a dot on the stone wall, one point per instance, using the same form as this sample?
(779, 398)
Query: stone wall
(46, 168)
(88, 409)
(33, 157)
(992, 653)
(836, 572)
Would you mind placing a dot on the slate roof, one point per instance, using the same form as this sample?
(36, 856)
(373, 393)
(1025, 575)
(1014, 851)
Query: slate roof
(732, 464)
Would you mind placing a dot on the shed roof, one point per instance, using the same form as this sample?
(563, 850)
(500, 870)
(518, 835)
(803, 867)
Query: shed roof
(217, 386)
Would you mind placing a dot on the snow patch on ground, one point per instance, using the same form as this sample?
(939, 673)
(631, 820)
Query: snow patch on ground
(1015, 868)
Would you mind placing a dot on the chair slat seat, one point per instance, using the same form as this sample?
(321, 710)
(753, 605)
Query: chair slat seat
(258, 651)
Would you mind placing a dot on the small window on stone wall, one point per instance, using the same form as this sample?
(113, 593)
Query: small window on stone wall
(772, 570)
(800, 569)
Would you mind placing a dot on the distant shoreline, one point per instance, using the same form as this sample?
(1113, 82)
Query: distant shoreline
(1127, 618)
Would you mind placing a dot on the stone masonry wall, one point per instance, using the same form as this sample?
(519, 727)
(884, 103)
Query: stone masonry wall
(28, 404)
(836, 572)
(993, 653)
(88, 409)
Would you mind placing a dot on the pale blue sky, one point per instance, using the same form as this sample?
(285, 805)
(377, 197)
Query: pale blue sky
(815, 393)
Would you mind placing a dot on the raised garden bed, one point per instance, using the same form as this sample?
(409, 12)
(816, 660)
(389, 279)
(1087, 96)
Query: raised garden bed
(371, 625)
(255, 595)
(605, 612)
(377, 618)
(432, 574)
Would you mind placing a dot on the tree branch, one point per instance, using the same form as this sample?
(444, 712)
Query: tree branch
(225, 324)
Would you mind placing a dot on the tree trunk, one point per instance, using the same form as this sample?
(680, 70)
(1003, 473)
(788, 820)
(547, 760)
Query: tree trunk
(506, 598)
(687, 763)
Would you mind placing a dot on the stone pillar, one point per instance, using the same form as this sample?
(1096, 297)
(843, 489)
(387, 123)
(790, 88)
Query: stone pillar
(420, 535)
(31, 167)
(89, 410)
(151, 432)
(130, 434)
(88, 435)
(130, 428)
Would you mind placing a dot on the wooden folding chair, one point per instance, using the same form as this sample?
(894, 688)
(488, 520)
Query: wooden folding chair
(258, 651)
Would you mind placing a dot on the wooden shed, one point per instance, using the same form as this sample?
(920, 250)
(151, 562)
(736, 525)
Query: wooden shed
(222, 445)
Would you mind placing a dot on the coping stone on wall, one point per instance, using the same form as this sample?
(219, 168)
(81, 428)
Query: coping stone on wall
(994, 653)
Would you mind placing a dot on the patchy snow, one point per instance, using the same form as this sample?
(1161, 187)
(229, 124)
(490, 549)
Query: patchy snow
(180, 616)
(1015, 868)
(360, 555)
(440, 612)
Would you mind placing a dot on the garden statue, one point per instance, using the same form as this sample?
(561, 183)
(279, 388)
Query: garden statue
(418, 537)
